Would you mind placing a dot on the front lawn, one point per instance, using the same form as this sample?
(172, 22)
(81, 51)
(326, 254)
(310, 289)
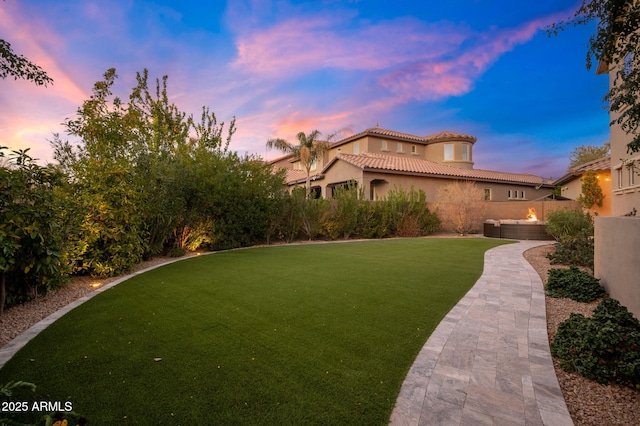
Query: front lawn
(308, 334)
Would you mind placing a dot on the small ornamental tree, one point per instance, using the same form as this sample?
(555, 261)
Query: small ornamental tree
(592, 194)
(461, 206)
(585, 153)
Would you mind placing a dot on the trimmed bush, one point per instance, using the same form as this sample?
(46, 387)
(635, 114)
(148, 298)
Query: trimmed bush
(605, 348)
(569, 223)
(573, 229)
(577, 251)
(574, 284)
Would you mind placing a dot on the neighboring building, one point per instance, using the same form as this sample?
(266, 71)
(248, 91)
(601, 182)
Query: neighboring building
(617, 238)
(571, 183)
(378, 160)
(625, 166)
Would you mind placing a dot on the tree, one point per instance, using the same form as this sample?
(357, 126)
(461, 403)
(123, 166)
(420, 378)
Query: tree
(461, 206)
(18, 66)
(585, 153)
(616, 41)
(308, 150)
(592, 194)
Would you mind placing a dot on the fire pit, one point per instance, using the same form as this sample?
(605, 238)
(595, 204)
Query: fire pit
(513, 229)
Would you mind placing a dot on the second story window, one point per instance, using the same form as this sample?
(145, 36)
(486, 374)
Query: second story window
(465, 152)
(620, 178)
(356, 147)
(414, 149)
(399, 147)
(383, 146)
(448, 152)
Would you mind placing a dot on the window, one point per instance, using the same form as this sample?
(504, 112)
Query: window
(522, 194)
(632, 175)
(356, 147)
(487, 194)
(465, 152)
(509, 194)
(448, 152)
(413, 149)
(383, 146)
(314, 165)
(399, 147)
(619, 178)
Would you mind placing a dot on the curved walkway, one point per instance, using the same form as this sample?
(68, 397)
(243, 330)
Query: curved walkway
(488, 362)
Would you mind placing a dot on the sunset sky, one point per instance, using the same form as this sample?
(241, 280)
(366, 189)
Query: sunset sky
(486, 68)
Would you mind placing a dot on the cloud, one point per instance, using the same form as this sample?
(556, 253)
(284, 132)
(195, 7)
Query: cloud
(408, 58)
(302, 44)
(455, 75)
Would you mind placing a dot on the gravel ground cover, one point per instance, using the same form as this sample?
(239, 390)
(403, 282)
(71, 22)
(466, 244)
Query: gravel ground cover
(589, 403)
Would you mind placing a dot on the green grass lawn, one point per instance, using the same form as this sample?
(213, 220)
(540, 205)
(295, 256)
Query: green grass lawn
(309, 334)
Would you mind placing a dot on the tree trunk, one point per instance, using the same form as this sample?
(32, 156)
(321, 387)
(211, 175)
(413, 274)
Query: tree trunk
(308, 183)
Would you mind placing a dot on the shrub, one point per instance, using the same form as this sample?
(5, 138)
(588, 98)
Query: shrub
(578, 251)
(573, 230)
(605, 348)
(569, 224)
(461, 206)
(574, 284)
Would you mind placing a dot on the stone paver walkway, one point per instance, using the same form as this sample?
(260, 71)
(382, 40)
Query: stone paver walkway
(488, 362)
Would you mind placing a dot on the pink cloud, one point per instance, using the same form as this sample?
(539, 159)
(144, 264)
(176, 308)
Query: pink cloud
(411, 59)
(440, 78)
(299, 45)
(30, 114)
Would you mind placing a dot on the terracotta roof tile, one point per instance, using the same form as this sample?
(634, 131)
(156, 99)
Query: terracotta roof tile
(293, 175)
(600, 164)
(447, 135)
(437, 137)
(426, 167)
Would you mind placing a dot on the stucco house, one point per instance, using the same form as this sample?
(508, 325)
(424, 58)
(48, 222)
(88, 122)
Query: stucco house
(571, 183)
(377, 159)
(617, 237)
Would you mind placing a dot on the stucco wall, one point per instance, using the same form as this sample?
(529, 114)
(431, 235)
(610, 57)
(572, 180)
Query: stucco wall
(617, 259)
(520, 209)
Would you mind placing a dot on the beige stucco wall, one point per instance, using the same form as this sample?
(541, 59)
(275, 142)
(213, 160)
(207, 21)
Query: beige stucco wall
(520, 209)
(573, 189)
(624, 197)
(341, 172)
(338, 173)
(617, 259)
(435, 152)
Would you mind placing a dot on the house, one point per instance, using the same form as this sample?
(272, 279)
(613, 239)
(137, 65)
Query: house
(377, 160)
(617, 237)
(571, 183)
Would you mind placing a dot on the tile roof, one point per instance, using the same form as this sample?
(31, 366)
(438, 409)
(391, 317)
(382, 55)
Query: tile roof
(390, 163)
(293, 175)
(447, 135)
(437, 137)
(599, 165)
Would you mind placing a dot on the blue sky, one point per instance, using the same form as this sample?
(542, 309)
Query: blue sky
(279, 67)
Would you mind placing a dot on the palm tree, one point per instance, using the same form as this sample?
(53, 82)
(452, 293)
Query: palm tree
(308, 150)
